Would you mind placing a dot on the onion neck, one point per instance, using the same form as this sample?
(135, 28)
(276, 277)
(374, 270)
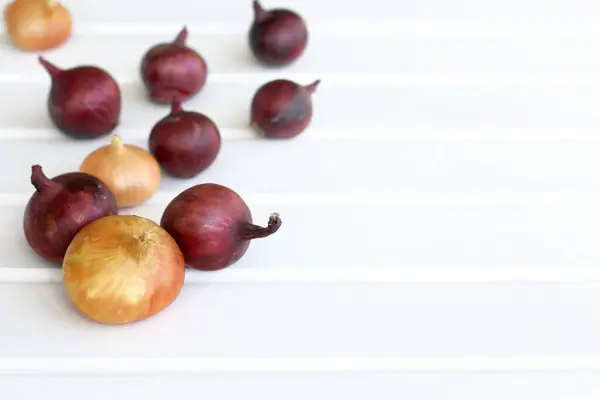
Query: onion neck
(44, 185)
(116, 142)
(50, 4)
(313, 86)
(176, 106)
(144, 243)
(52, 69)
(259, 12)
(250, 231)
(181, 37)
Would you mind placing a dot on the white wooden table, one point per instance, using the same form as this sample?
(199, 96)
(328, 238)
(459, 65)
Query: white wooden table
(441, 216)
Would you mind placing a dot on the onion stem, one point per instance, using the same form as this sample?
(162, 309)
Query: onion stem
(145, 242)
(250, 231)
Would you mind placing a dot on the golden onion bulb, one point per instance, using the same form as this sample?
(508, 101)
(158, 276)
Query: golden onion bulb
(123, 268)
(130, 172)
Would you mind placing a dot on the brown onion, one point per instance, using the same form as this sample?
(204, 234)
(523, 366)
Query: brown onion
(131, 172)
(37, 25)
(173, 71)
(84, 101)
(123, 268)
(213, 226)
(60, 207)
(185, 143)
(282, 109)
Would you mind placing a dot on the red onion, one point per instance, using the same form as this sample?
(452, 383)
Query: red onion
(282, 109)
(84, 101)
(173, 71)
(61, 207)
(184, 143)
(213, 226)
(277, 37)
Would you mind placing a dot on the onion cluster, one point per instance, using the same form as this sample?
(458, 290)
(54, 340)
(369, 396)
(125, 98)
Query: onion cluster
(120, 268)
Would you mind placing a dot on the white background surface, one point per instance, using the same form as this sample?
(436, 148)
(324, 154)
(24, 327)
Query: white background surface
(441, 215)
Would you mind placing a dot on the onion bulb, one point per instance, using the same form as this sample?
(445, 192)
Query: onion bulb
(213, 226)
(60, 207)
(122, 268)
(282, 109)
(37, 25)
(131, 172)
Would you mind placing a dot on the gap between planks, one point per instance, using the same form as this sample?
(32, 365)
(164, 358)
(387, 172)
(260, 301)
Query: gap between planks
(326, 134)
(462, 29)
(436, 80)
(168, 365)
(349, 275)
(373, 199)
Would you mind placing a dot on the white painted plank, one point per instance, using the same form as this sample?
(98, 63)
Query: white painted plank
(239, 11)
(393, 242)
(305, 166)
(328, 53)
(350, 386)
(437, 321)
(499, 105)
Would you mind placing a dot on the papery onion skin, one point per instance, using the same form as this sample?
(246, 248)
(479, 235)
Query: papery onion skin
(83, 102)
(121, 269)
(60, 208)
(282, 109)
(185, 143)
(37, 25)
(173, 71)
(277, 37)
(213, 226)
(131, 172)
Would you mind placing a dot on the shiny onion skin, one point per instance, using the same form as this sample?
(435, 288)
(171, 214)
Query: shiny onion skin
(282, 109)
(121, 269)
(173, 71)
(37, 25)
(131, 172)
(83, 102)
(60, 207)
(185, 143)
(277, 37)
(213, 226)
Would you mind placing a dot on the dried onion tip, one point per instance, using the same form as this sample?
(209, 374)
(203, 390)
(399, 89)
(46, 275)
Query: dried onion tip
(277, 37)
(37, 25)
(60, 208)
(131, 172)
(282, 109)
(123, 268)
(213, 226)
(83, 102)
(173, 71)
(185, 143)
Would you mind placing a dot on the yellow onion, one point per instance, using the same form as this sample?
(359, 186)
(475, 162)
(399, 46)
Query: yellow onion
(37, 25)
(123, 268)
(130, 172)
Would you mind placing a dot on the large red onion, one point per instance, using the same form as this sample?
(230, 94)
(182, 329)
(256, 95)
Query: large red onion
(184, 143)
(282, 109)
(60, 208)
(173, 71)
(277, 37)
(84, 101)
(213, 226)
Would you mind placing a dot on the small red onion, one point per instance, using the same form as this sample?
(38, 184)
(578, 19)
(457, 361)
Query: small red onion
(282, 109)
(61, 207)
(184, 143)
(277, 37)
(83, 102)
(173, 71)
(213, 226)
